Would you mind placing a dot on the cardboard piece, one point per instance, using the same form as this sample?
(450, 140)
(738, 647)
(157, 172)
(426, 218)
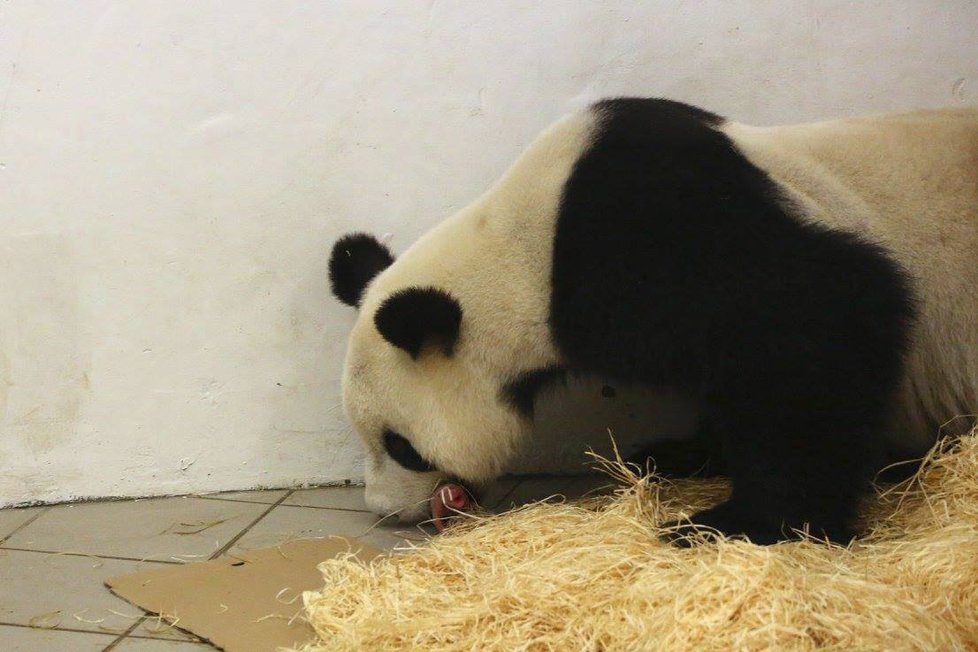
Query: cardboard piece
(237, 602)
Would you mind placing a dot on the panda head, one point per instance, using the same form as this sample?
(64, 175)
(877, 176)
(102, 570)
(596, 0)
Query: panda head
(415, 385)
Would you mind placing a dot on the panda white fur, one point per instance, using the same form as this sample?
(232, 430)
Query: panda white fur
(814, 286)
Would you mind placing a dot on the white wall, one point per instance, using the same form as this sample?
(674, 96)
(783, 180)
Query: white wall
(172, 175)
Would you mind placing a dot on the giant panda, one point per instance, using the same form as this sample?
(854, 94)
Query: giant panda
(814, 287)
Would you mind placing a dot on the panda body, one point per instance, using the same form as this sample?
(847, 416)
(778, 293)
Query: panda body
(814, 286)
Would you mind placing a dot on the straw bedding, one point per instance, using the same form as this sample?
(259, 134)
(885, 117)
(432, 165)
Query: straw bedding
(593, 575)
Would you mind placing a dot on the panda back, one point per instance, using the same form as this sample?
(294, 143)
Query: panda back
(909, 183)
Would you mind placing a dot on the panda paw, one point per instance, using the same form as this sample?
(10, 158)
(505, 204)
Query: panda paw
(733, 522)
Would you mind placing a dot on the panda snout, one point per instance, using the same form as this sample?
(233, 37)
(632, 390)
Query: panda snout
(397, 504)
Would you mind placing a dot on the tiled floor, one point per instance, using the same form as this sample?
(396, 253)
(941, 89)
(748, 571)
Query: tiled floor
(53, 560)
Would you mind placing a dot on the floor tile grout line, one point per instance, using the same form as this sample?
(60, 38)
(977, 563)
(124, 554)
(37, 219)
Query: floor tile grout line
(227, 546)
(128, 634)
(330, 509)
(255, 502)
(237, 500)
(75, 630)
(75, 553)
(71, 630)
(149, 637)
(25, 524)
(124, 635)
(191, 638)
(217, 496)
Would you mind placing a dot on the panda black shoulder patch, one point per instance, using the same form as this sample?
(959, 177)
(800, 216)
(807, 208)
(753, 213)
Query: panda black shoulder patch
(664, 223)
(677, 262)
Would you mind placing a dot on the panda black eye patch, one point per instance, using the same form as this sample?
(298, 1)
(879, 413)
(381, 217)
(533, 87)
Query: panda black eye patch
(402, 452)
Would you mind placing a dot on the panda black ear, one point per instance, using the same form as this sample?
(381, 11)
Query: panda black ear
(411, 318)
(356, 259)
